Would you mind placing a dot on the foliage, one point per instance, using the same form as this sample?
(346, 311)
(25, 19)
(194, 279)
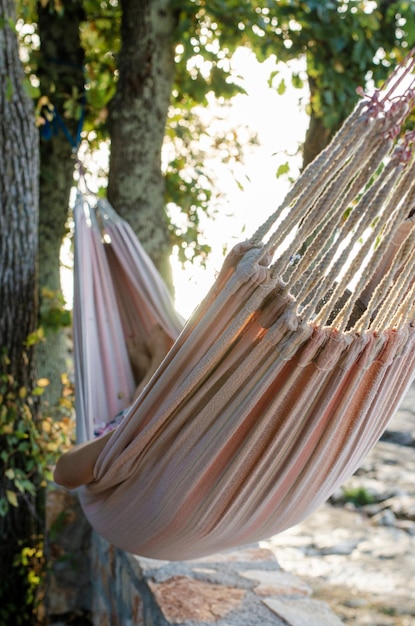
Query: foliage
(344, 43)
(340, 40)
(53, 314)
(101, 39)
(29, 445)
(191, 191)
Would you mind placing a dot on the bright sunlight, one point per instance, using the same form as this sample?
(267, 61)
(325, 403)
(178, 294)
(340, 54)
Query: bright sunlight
(280, 122)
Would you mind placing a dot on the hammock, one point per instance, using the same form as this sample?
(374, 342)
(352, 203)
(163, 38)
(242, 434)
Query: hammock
(286, 374)
(118, 296)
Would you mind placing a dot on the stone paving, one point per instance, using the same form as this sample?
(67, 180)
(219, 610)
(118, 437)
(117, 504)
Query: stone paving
(360, 559)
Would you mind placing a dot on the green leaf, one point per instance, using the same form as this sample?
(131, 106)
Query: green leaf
(296, 81)
(12, 497)
(25, 486)
(36, 337)
(282, 87)
(284, 168)
(271, 78)
(32, 91)
(10, 473)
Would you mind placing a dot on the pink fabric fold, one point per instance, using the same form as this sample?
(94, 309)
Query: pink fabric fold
(239, 443)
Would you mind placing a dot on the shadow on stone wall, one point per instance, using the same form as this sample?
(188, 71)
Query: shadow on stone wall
(68, 552)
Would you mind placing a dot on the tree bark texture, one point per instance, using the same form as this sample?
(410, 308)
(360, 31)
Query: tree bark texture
(317, 135)
(19, 173)
(137, 123)
(61, 71)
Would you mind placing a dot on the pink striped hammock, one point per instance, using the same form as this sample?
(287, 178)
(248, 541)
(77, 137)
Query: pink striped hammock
(118, 295)
(280, 382)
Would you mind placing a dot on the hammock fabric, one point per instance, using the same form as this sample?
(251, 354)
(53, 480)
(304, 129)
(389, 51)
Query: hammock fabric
(280, 382)
(118, 296)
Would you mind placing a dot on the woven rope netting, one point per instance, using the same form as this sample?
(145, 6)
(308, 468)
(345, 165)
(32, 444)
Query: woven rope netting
(336, 223)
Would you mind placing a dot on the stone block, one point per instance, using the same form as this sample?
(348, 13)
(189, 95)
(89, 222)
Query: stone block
(303, 612)
(182, 599)
(277, 583)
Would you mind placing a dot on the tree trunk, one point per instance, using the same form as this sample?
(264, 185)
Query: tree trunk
(317, 138)
(317, 135)
(137, 123)
(61, 73)
(19, 171)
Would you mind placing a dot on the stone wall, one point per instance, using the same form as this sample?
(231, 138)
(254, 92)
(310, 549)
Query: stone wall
(238, 588)
(68, 546)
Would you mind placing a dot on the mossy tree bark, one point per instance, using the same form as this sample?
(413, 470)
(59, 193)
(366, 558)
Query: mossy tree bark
(19, 171)
(138, 114)
(61, 75)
